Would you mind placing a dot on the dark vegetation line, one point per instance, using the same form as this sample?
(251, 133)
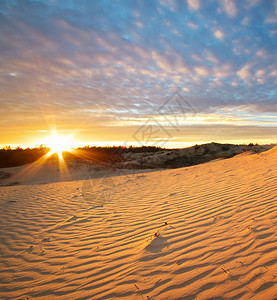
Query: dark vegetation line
(112, 155)
(17, 157)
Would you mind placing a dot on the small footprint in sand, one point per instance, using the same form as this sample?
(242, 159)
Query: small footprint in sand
(240, 262)
(30, 249)
(251, 228)
(46, 240)
(42, 252)
(217, 218)
(172, 194)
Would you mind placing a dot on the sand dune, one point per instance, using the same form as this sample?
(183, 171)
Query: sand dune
(50, 169)
(202, 232)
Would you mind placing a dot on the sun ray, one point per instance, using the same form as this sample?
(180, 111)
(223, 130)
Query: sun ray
(31, 169)
(57, 144)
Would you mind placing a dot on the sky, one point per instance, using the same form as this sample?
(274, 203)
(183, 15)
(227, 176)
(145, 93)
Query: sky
(168, 73)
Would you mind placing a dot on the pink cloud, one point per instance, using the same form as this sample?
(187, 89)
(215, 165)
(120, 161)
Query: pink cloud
(230, 8)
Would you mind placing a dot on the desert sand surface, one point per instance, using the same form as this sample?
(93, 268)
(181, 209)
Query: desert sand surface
(53, 171)
(202, 232)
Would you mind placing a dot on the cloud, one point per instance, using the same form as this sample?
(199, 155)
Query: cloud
(244, 72)
(169, 3)
(192, 25)
(201, 71)
(261, 53)
(252, 3)
(230, 8)
(211, 57)
(222, 71)
(72, 61)
(273, 73)
(260, 73)
(193, 4)
(219, 34)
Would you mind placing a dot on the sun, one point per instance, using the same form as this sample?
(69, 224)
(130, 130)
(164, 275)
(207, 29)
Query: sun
(59, 143)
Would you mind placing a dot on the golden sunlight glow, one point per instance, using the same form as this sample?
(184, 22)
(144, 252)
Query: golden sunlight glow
(59, 143)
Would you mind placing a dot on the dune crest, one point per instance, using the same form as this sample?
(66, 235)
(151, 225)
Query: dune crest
(272, 151)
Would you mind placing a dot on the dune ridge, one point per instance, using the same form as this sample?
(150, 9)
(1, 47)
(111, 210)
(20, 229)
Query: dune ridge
(202, 232)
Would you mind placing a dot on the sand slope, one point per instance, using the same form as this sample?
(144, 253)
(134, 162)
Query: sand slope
(202, 232)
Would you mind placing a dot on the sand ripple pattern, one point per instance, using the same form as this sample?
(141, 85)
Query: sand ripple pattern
(202, 232)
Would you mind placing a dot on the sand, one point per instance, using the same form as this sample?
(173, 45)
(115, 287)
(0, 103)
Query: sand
(202, 232)
(47, 171)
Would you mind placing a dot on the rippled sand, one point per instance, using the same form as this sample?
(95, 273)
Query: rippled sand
(202, 232)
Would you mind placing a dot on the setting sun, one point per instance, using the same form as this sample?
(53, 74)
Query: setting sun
(59, 143)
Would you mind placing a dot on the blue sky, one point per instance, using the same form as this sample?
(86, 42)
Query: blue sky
(104, 68)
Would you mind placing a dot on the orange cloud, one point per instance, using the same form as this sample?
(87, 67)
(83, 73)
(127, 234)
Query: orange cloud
(244, 72)
(219, 34)
(202, 71)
